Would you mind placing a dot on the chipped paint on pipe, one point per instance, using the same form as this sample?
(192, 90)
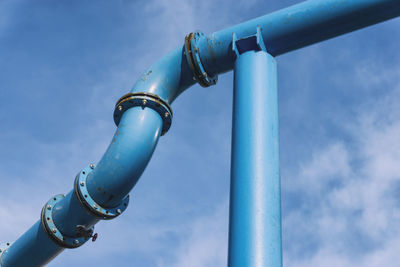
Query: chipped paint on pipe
(126, 157)
(168, 77)
(297, 26)
(283, 31)
(32, 249)
(139, 130)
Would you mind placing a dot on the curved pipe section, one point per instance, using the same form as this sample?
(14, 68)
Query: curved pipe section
(168, 77)
(126, 157)
(139, 129)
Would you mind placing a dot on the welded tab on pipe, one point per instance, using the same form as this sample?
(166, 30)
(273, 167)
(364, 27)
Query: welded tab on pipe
(297, 26)
(249, 43)
(139, 129)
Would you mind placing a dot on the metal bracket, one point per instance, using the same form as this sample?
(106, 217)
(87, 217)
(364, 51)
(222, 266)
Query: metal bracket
(88, 202)
(4, 247)
(249, 43)
(194, 60)
(144, 100)
(53, 232)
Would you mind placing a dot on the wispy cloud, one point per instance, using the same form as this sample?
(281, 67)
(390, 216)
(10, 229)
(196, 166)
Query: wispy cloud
(341, 201)
(206, 243)
(349, 209)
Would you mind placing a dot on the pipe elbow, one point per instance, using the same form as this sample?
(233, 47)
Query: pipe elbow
(126, 157)
(139, 128)
(167, 78)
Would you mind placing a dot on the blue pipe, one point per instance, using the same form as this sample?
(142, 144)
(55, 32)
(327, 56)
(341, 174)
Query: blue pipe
(255, 198)
(168, 77)
(297, 26)
(126, 157)
(133, 145)
(285, 30)
(33, 248)
(139, 129)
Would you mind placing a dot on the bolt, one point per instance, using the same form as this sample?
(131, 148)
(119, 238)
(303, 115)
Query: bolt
(48, 207)
(92, 166)
(82, 183)
(166, 114)
(76, 241)
(119, 108)
(54, 230)
(144, 101)
(119, 211)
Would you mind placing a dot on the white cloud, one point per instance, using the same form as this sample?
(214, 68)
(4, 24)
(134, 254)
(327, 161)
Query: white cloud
(207, 242)
(350, 195)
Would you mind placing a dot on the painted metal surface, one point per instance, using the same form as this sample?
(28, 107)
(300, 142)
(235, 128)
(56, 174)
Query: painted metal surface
(88, 202)
(285, 30)
(54, 233)
(4, 247)
(34, 248)
(126, 158)
(297, 26)
(140, 128)
(168, 77)
(255, 200)
(194, 60)
(133, 145)
(144, 100)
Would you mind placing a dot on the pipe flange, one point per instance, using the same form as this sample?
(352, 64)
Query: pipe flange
(194, 60)
(53, 232)
(88, 202)
(143, 100)
(4, 247)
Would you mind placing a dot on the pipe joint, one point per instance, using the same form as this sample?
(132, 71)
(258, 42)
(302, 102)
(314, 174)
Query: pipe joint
(144, 100)
(54, 233)
(88, 202)
(194, 60)
(4, 247)
(253, 42)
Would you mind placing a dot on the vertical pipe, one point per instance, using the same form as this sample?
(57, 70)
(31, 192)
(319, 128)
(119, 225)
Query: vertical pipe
(255, 206)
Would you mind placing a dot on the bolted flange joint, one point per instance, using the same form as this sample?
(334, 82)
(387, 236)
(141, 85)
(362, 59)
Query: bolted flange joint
(194, 60)
(88, 202)
(54, 233)
(4, 247)
(144, 100)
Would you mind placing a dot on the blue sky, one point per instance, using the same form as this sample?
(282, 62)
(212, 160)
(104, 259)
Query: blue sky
(65, 63)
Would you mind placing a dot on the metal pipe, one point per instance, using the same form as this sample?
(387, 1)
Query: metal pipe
(140, 127)
(33, 248)
(255, 197)
(133, 145)
(297, 26)
(168, 77)
(126, 157)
